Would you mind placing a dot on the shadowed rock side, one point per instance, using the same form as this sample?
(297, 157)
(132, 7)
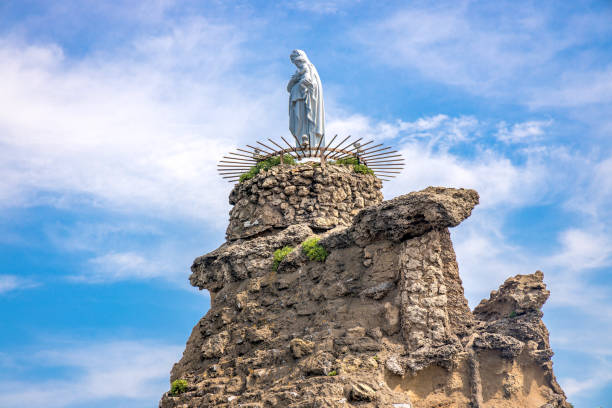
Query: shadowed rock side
(382, 322)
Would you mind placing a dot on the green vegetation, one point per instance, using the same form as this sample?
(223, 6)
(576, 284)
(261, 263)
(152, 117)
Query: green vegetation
(363, 169)
(512, 315)
(332, 373)
(357, 167)
(266, 165)
(178, 387)
(313, 250)
(347, 161)
(280, 254)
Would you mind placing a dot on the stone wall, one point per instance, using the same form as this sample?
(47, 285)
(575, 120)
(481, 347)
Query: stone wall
(321, 198)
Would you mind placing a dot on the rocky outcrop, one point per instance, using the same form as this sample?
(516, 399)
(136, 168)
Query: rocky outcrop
(381, 322)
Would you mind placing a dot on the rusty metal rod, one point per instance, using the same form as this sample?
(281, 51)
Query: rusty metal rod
(298, 142)
(320, 141)
(294, 149)
(342, 151)
(369, 148)
(328, 145)
(257, 148)
(237, 162)
(338, 147)
(266, 146)
(333, 149)
(238, 154)
(283, 150)
(349, 152)
(355, 151)
(386, 161)
(234, 162)
(378, 150)
(253, 154)
(385, 154)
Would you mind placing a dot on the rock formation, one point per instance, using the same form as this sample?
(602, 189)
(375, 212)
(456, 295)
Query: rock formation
(381, 322)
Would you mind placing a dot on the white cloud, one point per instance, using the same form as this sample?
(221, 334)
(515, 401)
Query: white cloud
(576, 89)
(157, 262)
(10, 283)
(123, 265)
(123, 370)
(513, 50)
(320, 6)
(139, 130)
(439, 130)
(524, 132)
(599, 377)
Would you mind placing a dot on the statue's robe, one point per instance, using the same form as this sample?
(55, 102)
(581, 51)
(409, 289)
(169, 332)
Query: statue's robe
(306, 111)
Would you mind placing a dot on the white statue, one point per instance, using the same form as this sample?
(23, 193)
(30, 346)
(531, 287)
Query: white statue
(306, 112)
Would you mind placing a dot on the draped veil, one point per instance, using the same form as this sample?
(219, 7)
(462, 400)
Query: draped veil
(306, 109)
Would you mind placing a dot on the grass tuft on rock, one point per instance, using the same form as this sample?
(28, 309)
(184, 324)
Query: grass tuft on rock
(279, 255)
(313, 250)
(178, 387)
(363, 169)
(357, 167)
(266, 165)
(347, 161)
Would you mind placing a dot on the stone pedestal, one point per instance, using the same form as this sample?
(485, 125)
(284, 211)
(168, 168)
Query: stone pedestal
(321, 198)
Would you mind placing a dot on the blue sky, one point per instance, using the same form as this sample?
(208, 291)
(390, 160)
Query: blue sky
(113, 114)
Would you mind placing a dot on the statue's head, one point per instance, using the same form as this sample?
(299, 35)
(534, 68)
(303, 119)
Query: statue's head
(298, 57)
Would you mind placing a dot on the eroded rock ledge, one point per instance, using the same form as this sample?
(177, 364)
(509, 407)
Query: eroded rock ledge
(382, 322)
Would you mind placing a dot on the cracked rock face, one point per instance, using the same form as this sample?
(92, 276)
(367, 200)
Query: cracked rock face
(381, 322)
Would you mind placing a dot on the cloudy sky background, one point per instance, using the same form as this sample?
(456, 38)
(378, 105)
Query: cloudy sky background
(113, 114)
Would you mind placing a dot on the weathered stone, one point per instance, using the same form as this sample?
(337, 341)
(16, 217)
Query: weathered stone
(393, 365)
(252, 217)
(382, 322)
(362, 392)
(301, 348)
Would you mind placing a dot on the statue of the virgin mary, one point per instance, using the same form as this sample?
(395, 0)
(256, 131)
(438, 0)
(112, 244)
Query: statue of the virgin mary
(306, 112)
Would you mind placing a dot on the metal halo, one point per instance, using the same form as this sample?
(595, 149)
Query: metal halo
(380, 159)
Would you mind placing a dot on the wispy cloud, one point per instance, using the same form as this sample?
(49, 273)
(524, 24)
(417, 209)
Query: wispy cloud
(524, 132)
(135, 130)
(126, 371)
(513, 50)
(10, 283)
(320, 6)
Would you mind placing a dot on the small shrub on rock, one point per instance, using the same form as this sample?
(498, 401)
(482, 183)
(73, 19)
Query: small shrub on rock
(178, 387)
(332, 373)
(280, 254)
(266, 165)
(363, 169)
(347, 161)
(357, 167)
(313, 250)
